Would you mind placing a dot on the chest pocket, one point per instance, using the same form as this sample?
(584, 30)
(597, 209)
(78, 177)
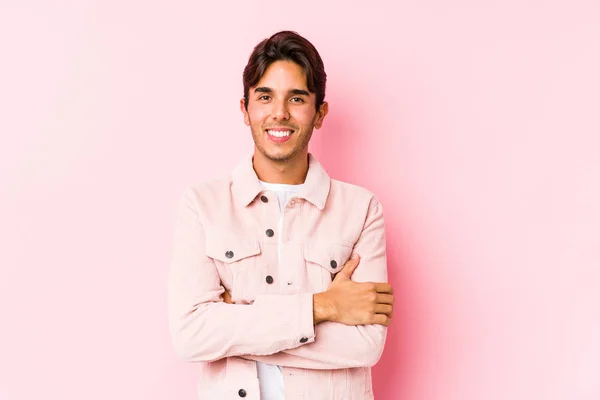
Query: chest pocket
(323, 261)
(238, 261)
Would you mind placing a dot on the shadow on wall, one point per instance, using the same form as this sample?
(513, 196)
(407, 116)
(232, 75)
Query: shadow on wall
(340, 143)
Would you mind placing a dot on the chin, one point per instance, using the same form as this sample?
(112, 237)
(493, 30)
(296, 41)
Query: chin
(277, 156)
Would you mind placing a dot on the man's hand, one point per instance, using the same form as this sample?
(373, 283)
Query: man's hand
(349, 302)
(227, 297)
(354, 303)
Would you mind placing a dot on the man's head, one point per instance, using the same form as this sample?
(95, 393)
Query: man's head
(284, 91)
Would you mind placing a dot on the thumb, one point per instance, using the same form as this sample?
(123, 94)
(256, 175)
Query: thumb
(350, 266)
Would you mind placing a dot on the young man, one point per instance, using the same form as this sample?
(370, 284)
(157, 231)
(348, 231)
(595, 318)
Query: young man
(263, 291)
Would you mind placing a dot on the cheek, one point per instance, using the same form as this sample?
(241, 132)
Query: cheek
(305, 116)
(256, 115)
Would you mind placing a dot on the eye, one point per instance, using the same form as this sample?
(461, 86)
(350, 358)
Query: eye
(264, 97)
(297, 100)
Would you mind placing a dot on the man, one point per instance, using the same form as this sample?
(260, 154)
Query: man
(263, 291)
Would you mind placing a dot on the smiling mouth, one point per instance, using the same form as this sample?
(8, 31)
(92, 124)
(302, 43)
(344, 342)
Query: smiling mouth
(280, 133)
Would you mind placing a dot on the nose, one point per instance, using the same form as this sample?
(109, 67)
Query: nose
(280, 110)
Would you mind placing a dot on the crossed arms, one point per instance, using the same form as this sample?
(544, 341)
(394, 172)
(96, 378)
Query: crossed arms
(343, 327)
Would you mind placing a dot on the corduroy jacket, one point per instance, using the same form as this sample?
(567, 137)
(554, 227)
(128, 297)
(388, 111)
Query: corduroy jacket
(226, 237)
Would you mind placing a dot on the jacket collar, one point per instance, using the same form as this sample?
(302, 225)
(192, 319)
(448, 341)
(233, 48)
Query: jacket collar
(246, 186)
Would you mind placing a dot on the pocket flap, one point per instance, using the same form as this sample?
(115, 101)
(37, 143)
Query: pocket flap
(331, 256)
(230, 248)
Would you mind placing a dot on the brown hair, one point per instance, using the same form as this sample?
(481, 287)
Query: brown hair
(288, 46)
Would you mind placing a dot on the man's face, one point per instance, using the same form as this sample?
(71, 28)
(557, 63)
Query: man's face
(281, 112)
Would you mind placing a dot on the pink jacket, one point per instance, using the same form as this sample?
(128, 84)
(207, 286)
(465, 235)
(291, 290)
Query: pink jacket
(226, 234)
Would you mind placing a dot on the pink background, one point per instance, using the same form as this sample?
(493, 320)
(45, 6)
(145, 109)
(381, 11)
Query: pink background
(475, 122)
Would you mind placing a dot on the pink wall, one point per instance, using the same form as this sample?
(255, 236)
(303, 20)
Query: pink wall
(476, 123)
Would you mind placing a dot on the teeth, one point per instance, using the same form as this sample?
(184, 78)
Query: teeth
(279, 133)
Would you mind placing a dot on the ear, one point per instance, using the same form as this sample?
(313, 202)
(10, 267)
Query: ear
(320, 116)
(245, 112)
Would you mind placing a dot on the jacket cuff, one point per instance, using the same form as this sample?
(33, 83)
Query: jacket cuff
(305, 319)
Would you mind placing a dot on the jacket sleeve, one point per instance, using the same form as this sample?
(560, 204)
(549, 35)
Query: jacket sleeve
(337, 345)
(202, 326)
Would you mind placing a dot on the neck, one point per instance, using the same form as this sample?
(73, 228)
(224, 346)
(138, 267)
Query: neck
(289, 172)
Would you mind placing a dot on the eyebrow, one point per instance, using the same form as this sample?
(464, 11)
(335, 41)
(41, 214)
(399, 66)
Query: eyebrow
(263, 89)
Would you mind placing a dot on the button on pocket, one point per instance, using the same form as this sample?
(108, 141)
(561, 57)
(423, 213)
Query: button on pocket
(237, 260)
(323, 261)
(229, 248)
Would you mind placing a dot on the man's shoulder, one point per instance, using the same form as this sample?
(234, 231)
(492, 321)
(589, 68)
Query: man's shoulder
(346, 190)
(210, 185)
(202, 191)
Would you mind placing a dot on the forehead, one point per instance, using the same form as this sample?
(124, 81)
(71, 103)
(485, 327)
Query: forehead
(283, 75)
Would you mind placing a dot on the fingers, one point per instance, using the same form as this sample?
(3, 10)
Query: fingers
(350, 266)
(384, 288)
(381, 319)
(386, 309)
(385, 298)
(227, 297)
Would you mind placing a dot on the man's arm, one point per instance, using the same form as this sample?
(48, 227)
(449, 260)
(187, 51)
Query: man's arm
(202, 326)
(338, 345)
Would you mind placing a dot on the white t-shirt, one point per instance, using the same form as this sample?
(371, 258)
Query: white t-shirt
(270, 377)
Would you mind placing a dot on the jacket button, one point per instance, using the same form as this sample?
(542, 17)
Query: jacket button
(242, 393)
(264, 199)
(303, 340)
(270, 232)
(229, 254)
(269, 279)
(333, 264)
